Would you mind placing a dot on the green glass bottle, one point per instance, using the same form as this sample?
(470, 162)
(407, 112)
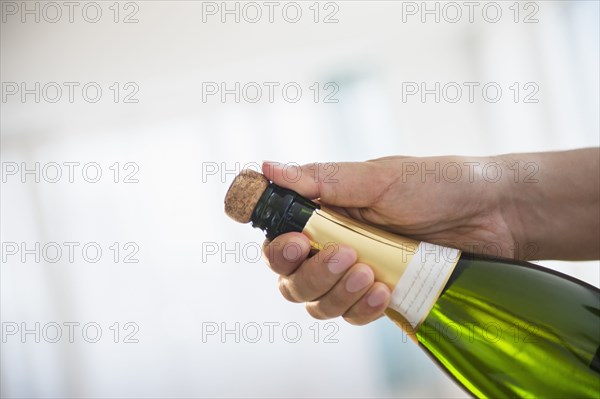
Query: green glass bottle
(499, 327)
(504, 328)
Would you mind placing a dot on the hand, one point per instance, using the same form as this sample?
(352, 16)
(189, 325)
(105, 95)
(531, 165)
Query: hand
(452, 201)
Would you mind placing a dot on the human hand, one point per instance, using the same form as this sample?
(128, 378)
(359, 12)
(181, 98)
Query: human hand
(417, 197)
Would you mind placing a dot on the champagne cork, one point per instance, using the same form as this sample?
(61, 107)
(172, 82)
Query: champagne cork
(243, 195)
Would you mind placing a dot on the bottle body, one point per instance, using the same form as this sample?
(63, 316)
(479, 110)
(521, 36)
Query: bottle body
(509, 329)
(501, 328)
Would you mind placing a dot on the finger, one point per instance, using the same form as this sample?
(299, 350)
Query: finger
(285, 253)
(317, 275)
(371, 306)
(349, 184)
(344, 294)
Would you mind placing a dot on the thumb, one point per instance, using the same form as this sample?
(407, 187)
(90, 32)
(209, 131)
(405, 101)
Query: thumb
(346, 184)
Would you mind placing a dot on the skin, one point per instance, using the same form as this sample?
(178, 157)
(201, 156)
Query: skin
(522, 206)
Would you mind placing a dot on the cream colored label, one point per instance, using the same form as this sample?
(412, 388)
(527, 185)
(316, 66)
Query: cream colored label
(421, 283)
(415, 271)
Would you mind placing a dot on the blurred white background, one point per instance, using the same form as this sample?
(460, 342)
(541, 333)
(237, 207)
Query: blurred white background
(198, 271)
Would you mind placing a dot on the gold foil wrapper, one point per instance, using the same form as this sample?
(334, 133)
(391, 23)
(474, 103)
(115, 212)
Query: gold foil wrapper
(388, 254)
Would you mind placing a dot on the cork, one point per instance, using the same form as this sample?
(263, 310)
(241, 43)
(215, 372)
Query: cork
(243, 195)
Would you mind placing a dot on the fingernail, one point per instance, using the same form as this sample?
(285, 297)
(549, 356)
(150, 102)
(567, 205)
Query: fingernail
(357, 281)
(377, 297)
(341, 260)
(293, 250)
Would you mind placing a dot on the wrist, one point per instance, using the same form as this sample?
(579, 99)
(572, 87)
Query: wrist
(520, 203)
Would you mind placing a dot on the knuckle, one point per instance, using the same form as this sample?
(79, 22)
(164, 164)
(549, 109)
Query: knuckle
(312, 281)
(327, 191)
(293, 252)
(310, 170)
(285, 290)
(331, 306)
(353, 320)
(314, 310)
(306, 279)
(320, 173)
(336, 304)
(357, 318)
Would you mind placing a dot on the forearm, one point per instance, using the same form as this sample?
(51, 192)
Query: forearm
(554, 203)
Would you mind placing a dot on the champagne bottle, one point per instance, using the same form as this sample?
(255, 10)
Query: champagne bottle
(499, 327)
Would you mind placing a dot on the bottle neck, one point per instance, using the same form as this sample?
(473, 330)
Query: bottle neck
(280, 211)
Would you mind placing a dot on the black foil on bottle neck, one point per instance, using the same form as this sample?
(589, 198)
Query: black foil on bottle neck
(280, 211)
